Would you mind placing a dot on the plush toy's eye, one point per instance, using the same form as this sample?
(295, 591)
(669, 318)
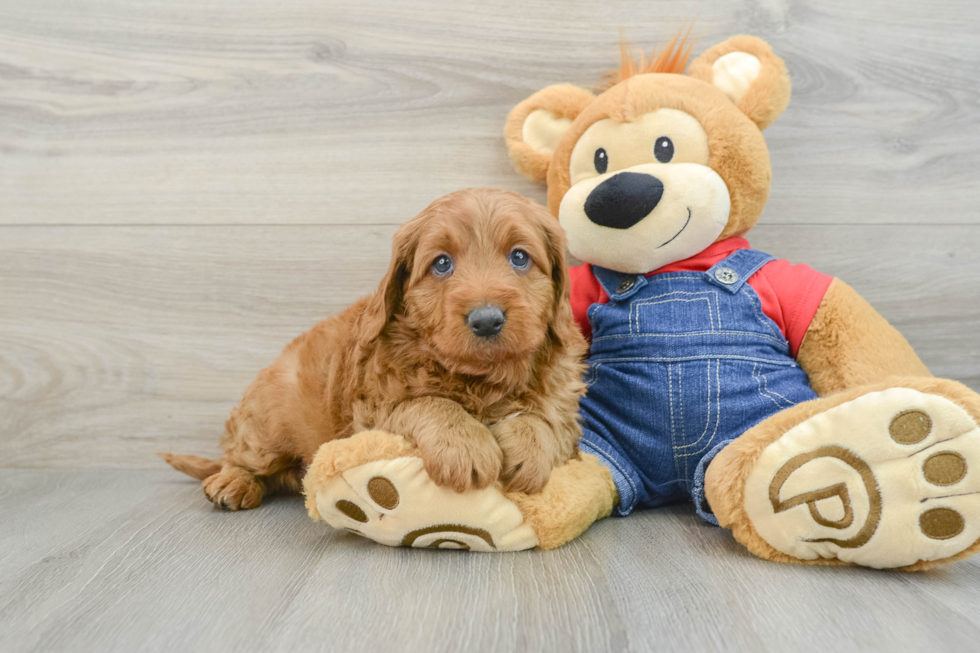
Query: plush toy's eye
(601, 161)
(519, 259)
(663, 149)
(442, 266)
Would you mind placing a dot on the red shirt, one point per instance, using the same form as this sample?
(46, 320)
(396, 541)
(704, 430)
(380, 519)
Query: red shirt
(790, 294)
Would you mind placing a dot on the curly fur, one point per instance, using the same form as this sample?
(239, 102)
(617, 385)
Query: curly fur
(403, 360)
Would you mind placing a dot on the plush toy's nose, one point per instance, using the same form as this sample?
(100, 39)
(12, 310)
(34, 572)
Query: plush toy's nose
(623, 200)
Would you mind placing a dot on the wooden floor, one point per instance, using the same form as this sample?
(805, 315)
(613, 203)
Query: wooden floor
(186, 185)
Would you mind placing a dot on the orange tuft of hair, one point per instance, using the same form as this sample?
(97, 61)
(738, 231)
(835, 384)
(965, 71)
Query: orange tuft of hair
(672, 59)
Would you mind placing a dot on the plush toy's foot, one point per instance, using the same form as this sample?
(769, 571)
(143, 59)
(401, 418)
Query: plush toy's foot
(374, 484)
(887, 477)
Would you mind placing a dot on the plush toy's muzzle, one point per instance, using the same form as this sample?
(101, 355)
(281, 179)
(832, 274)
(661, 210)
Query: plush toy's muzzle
(623, 200)
(646, 216)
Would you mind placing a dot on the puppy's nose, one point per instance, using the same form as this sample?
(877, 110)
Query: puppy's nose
(486, 321)
(623, 200)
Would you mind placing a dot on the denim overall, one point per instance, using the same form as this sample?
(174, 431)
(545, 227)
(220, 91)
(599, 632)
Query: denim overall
(681, 364)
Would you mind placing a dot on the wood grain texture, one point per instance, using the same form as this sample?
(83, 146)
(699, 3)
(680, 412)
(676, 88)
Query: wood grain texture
(122, 341)
(187, 185)
(353, 111)
(128, 561)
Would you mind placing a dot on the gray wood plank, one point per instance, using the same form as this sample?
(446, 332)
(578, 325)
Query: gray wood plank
(120, 342)
(353, 112)
(317, 128)
(130, 560)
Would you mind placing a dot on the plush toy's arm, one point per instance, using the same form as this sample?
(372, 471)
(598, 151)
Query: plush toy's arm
(849, 343)
(459, 452)
(373, 484)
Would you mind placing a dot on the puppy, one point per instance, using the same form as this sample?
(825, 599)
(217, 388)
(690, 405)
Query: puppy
(468, 348)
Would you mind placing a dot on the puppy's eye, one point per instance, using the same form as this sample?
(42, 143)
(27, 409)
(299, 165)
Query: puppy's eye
(663, 149)
(520, 259)
(601, 160)
(442, 266)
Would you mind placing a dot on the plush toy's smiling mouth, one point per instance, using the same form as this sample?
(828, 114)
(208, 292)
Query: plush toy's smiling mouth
(659, 236)
(681, 231)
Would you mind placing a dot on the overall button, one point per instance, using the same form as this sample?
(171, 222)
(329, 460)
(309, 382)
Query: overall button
(727, 276)
(625, 285)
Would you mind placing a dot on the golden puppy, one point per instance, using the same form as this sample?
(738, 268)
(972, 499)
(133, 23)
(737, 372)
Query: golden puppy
(468, 348)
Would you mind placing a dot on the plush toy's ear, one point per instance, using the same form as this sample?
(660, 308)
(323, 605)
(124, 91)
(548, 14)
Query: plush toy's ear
(535, 126)
(747, 71)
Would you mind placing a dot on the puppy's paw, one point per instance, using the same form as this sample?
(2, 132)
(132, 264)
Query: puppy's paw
(528, 453)
(233, 489)
(462, 459)
(528, 474)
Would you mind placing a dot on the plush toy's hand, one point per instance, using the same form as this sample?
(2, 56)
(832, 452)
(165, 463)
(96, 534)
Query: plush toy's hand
(461, 456)
(374, 484)
(528, 457)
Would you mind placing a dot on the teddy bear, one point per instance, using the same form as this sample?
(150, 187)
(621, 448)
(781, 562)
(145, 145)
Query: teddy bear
(773, 397)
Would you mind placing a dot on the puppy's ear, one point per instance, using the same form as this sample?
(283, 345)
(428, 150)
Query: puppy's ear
(389, 299)
(536, 125)
(747, 71)
(562, 328)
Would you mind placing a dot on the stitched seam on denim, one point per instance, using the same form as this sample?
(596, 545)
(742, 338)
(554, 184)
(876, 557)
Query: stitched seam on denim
(679, 458)
(766, 392)
(670, 406)
(654, 359)
(680, 389)
(707, 420)
(748, 334)
(717, 410)
(614, 463)
(590, 315)
(635, 314)
(758, 385)
(761, 392)
(593, 375)
(711, 440)
(762, 318)
(673, 425)
(765, 383)
(683, 292)
(676, 481)
(666, 276)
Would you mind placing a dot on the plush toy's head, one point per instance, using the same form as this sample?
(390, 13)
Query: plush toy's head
(662, 164)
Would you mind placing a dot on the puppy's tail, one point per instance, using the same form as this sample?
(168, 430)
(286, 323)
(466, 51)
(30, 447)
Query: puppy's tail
(199, 468)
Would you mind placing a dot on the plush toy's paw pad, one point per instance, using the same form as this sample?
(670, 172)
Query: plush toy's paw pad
(886, 480)
(394, 502)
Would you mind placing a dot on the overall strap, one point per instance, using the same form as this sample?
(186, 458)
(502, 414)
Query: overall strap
(733, 272)
(618, 285)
